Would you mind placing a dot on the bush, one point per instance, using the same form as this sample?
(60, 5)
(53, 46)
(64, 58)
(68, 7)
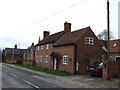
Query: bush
(19, 61)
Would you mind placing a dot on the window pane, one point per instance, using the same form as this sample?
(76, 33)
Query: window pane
(65, 59)
(87, 40)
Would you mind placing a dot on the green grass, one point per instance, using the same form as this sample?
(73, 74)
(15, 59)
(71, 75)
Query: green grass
(42, 69)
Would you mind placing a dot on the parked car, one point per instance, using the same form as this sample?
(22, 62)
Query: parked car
(95, 69)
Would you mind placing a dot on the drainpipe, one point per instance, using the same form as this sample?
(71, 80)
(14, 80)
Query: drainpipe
(75, 58)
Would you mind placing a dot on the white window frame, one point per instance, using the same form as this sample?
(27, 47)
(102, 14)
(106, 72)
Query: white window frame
(27, 56)
(111, 57)
(47, 46)
(31, 56)
(65, 61)
(40, 59)
(115, 57)
(41, 46)
(24, 55)
(37, 58)
(38, 48)
(89, 40)
(46, 58)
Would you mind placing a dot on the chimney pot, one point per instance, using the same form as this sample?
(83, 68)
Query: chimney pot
(67, 26)
(46, 33)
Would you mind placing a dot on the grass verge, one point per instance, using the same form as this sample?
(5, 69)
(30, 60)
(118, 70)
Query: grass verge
(62, 73)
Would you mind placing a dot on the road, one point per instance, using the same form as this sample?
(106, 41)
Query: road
(17, 77)
(14, 78)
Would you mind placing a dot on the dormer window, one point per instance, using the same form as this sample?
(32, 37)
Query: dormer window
(89, 40)
(114, 45)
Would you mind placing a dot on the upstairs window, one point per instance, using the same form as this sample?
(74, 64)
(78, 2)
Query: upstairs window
(65, 59)
(41, 46)
(89, 40)
(47, 46)
(38, 48)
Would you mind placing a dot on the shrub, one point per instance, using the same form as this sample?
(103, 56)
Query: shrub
(19, 61)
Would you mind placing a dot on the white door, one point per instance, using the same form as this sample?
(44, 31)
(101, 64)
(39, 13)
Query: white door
(55, 64)
(77, 66)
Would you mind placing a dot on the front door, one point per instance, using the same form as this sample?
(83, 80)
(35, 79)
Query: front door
(77, 67)
(55, 65)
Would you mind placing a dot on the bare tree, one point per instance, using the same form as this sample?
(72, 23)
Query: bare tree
(104, 35)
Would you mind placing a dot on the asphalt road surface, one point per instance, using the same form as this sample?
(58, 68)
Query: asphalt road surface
(14, 78)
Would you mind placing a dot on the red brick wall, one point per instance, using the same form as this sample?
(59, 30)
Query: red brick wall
(65, 50)
(69, 51)
(86, 53)
(43, 52)
(114, 68)
(27, 60)
(8, 58)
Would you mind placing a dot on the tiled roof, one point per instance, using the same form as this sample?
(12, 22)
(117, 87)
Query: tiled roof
(12, 50)
(51, 38)
(71, 37)
(115, 45)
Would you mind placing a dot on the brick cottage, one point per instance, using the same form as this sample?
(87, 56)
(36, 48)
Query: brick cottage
(13, 54)
(68, 51)
(29, 55)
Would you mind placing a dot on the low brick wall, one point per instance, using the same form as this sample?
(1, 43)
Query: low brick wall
(11, 61)
(114, 69)
(27, 62)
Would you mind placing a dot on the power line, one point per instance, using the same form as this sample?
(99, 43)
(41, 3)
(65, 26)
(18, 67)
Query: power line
(61, 11)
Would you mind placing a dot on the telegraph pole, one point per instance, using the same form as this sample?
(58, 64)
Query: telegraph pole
(108, 41)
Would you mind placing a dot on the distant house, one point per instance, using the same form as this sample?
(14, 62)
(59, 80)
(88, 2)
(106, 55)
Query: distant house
(13, 54)
(68, 51)
(115, 49)
(114, 61)
(29, 56)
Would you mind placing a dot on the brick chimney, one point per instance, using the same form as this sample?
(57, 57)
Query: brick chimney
(15, 46)
(46, 33)
(67, 26)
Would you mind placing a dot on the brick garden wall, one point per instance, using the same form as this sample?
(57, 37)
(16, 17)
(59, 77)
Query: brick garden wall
(114, 69)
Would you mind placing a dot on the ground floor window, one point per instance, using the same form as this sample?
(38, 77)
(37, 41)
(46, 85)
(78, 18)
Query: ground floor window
(46, 58)
(65, 59)
(117, 58)
(40, 59)
(37, 58)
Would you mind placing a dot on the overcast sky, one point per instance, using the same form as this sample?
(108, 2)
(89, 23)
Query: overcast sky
(23, 21)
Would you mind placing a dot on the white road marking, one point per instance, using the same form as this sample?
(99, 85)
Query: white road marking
(30, 83)
(13, 74)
